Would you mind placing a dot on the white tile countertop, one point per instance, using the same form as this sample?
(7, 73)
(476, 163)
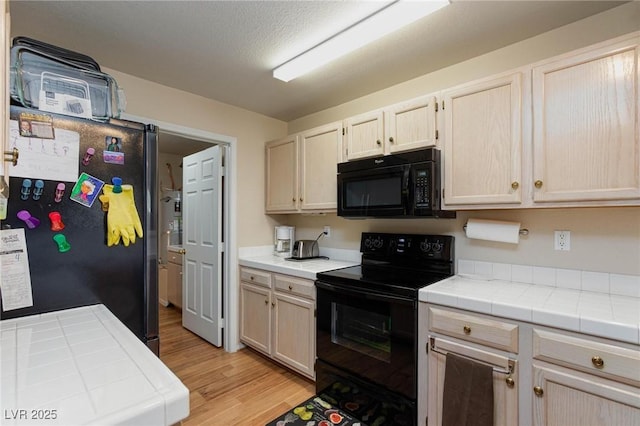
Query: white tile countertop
(605, 305)
(83, 366)
(261, 258)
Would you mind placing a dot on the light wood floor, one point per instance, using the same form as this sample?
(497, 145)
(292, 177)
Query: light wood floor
(241, 388)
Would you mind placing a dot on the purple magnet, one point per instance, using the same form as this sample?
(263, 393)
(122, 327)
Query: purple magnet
(25, 216)
(87, 156)
(61, 240)
(38, 189)
(59, 192)
(26, 189)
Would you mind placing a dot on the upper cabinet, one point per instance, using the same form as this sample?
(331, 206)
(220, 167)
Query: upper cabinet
(586, 125)
(483, 141)
(560, 133)
(301, 171)
(401, 127)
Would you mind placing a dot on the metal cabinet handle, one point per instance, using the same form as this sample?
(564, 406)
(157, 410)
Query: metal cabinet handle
(510, 382)
(466, 329)
(538, 184)
(538, 390)
(391, 139)
(597, 361)
(12, 156)
(515, 185)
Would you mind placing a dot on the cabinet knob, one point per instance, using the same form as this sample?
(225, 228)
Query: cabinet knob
(273, 304)
(379, 142)
(538, 390)
(515, 185)
(266, 302)
(391, 139)
(538, 184)
(510, 382)
(251, 277)
(293, 199)
(466, 329)
(301, 200)
(597, 361)
(290, 287)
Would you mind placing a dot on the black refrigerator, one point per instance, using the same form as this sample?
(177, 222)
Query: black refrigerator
(123, 278)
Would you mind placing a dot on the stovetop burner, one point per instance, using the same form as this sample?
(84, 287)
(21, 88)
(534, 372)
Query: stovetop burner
(397, 264)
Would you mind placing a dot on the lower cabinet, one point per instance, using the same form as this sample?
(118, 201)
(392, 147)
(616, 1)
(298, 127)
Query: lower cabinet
(174, 278)
(278, 318)
(464, 330)
(558, 377)
(584, 382)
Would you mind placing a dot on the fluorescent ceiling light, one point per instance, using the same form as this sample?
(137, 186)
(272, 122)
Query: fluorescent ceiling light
(393, 17)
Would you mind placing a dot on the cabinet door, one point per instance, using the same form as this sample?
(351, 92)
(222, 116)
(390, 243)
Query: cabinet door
(294, 330)
(566, 397)
(411, 125)
(586, 143)
(483, 142)
(255, 317)
(320, 153)
(365, 134)
(282, 175)
(174, 291)
(505, 398)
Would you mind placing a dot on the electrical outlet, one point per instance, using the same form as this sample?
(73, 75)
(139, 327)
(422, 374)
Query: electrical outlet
(327, 231)
(562, 240)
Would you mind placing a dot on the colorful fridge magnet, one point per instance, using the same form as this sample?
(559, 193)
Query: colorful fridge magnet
(86, 189)
(112, 153)
(36, 125)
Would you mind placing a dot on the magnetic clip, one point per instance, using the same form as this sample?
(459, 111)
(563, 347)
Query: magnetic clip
(25, 190)
(61, 241)
(87, 156)
(117, 185)
(56, 221)
(59, 192)
(38, 189)
(30, 221)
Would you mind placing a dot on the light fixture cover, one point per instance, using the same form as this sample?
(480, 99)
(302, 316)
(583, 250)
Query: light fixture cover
(393, 17)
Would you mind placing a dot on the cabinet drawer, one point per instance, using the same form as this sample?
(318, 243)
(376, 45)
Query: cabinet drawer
(603, 359)
(496, 334)
(291, 285)
(256, 277)
(174, 257)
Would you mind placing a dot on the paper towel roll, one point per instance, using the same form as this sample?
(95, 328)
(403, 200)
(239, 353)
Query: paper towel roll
(493, 230)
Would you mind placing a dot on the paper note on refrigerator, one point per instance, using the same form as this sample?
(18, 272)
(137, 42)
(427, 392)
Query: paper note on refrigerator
(44, 158)
(15, 279)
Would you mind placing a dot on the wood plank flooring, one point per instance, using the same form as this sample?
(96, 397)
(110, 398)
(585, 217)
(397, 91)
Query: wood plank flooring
(241, 388)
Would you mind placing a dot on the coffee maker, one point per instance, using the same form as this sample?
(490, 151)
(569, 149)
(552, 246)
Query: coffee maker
(283, 241)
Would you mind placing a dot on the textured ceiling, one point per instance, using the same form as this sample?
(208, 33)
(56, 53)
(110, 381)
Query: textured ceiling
(226, 50)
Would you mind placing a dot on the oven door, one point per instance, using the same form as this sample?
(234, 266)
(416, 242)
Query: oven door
(380, 192)
(372, 336)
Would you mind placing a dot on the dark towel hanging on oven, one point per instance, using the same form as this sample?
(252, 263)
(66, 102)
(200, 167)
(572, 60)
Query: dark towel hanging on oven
(468, 393)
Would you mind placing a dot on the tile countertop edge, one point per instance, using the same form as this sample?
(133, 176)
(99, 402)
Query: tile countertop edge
(518, 301)
(302, 269)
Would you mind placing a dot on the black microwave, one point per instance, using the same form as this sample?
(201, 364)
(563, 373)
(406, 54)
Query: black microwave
(399, 185)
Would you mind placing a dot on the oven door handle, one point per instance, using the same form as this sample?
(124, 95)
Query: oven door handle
(364, 294)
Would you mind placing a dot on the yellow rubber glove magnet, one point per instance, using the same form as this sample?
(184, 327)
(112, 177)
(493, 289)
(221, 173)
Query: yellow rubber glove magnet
(123, 222)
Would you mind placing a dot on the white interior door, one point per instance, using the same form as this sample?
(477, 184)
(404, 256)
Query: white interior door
(202, 274)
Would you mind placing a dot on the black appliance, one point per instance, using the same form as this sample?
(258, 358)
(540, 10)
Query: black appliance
(367, 325)
(399, 185)
(124, 279)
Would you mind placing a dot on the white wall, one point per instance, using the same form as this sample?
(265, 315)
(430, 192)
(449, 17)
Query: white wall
(602, 239)
(165, 104)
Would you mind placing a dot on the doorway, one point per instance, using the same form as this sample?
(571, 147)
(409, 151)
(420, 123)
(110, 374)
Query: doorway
(175, 142)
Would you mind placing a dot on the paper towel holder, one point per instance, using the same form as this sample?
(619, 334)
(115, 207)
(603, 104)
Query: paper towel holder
(523, 231)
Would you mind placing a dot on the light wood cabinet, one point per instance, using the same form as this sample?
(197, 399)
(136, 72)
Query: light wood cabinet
(583, 382)
(586, 115)
(483, 142)
(505, 398)
(400, 127)
(301, 171)
(558, 377)
(277, 317)
(559, 133)
(174, 278)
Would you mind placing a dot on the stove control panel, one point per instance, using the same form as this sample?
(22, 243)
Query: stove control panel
(387, 246)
